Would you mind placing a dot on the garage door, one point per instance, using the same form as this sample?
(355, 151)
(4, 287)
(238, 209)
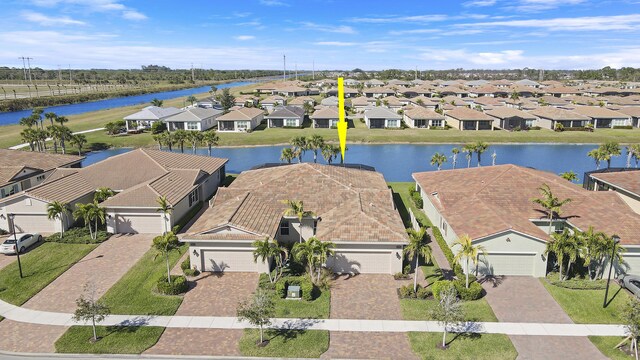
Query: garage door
(507, 264)
(360, 262)
(33, 223)
(139, 224)
(229, 261)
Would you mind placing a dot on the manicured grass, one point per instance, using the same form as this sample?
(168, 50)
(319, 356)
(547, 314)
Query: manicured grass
(40, 267)
(113, 340)
(403, 202)
(134, 293)
(606, 346)
(316, 309)
(585, 306)
(476, 310)
(464, 346)
(285, 343)
(431, 273)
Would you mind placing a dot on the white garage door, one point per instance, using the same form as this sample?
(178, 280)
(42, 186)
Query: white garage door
(229, 261)
(507, 264)
(33, 223)
(139, 224)
(360, 262)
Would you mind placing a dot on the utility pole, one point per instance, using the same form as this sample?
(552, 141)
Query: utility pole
(29, 65)
(70, 80)
(193, 77)
(313, 69)
(284, 67)
(59, 74)
(24, 67)
(416, 73)
(296, 71)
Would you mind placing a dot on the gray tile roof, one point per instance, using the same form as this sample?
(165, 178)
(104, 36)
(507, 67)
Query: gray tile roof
(153, 113)
(381, 113)
(286, 112)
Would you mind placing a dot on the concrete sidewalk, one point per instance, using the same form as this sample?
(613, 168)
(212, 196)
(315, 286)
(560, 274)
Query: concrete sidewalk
(19, 314)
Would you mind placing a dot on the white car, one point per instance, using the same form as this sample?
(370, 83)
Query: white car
(9, 246)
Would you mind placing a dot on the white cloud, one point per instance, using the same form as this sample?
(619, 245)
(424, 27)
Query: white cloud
(334, 43)
(340, 29)
(401, 19)
(96, 6)
(592, 23)
(244, 37)
(479, 3)
(414, 31)
(273, 3)
(49, 20)
(133, 15)
(541, 5)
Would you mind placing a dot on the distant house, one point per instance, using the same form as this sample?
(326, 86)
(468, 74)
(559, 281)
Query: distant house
(272, 102)
(292, 90)
(329, 101)
(633, 112)
(381, 118)
(625, 182)
(562, 91)
(245, 100)
(194, 119)
(209, 103)
(511, 119)
(21, 170)
(285, 116)
(243, 119)
(392, 102)
(373, 83)
(454, 91)
(348, 92)
(463, 118)
(427, 102)
(396, 82)
(549, 116)
(529, 83)
(378, 92)
(602, 117)
(146, 117)
(423, 118)
(301, 100)
(359, 104)
(351, 82)
(488, 102)
(326, 117)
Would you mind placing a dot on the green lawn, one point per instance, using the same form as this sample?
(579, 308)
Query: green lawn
(464, 346)
(606, 346)
(40, 267)
(585, 306)
(316, 309)
(477, 310)
(285, 343)
(403, 202)
(134, 293)
(114, 340)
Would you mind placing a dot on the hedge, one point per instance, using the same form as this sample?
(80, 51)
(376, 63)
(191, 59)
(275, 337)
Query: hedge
(624, 127)
(178, 285)
(446, 250)
(439, 286)
(308, 290)
(78, 235)
(406, 292)
(576, 283)
(474, 292)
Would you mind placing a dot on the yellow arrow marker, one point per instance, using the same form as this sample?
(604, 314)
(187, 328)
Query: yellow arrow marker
(342, 123)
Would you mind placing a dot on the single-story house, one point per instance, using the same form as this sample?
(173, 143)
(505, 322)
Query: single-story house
(209, 103)
(456, 91)
(146, 117)
(243, 119)
(463, 118)
(549, 116)
(392, 103)
(21, 170)
(493, 206)
(360, 103)
(602, 117)
(139, 177)
(245, 100)
(382, 118)
(423, 118)
(301, 100)
(421, 100)
(348, 92)
(326, 117)
(378, 92)
(292, 90)
(562, 91)
(194, 119)
(633, 112)
(373, 83)
(510, 118)
(271, 102)
(356, 213)
(625, 182)
(529, 83)
(285, 116)
(396, 82)
(487, 102)
(329, 101)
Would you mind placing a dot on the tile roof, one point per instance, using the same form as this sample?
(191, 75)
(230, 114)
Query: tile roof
(465, 113)
(245, 113)
(553, 113)
(12, 162)
(633, 111)
(327, 112)
(504, 112)
(153, 113)
(381, 113)
(281, 112)
(625, 180)
(353, 204)
(489, 200)
(421, 113)
(598, 112)
(194, 114)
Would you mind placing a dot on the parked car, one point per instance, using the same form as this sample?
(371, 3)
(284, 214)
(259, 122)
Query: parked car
(9, 246)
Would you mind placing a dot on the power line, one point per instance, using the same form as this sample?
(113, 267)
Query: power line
(284, 67)
(24, 67)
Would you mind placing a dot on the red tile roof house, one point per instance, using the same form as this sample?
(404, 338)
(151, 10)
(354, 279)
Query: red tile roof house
(138, 177)
(270, 103)
(625, 183)
(353, 208)
(493, 205)
(423, 118)
(242, 119)
(463, 118)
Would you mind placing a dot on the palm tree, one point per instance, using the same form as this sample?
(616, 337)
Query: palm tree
(51, 117)
(569, 176)
(550, 203)
(306, 252)
(79, 140)
(82, 212)
(611, 247)
(28, 136)
(468, 149)
(594, 250)
(324, 249)
(296, 209)
(418, 246)
(102, 194)
(563, 244)
(195, 138)
(191, 99)
(287, 155)
(28, 121)
(514, 95)
(58, 210)
(438, 159)
(454, 157)
(299, 144)
(597, 156)
(180, 136)
(157, 102)
(159, 138)
(467, 251)
(479, 148)
(168, 139)
(264, 250)
(611, 149)
(315, 143)
(36, 113)
(61, 119)
(165, 208)
(330, 152)
(65, 133)
(55, 134)
(635, 150)
(210, 138)
(164, 244)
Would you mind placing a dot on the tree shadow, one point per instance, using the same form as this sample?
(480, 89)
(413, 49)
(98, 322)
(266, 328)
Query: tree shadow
(494, 280)
(285, 334)
(465, 335)
(402, 209)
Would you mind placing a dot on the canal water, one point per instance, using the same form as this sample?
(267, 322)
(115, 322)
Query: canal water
(398, 161)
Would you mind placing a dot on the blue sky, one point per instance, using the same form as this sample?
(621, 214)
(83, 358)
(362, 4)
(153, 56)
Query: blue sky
(371, 35)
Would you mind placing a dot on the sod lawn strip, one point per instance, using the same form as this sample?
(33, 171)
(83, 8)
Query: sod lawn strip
(112, 340)
(463, 346)
(285, 343)
(606, 345)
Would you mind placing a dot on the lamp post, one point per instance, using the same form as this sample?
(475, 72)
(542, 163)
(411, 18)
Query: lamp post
(15, 238)
(616, 240)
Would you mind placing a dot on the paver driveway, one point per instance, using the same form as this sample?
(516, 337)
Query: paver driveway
(104, 266)
(369, 345)
(524, 299)
(211, 295)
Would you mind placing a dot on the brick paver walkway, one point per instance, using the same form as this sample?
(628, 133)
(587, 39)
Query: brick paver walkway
(369, 345)
(524, 299)
(6, 260)
(439, 257)
(366, 296)
(103, 266)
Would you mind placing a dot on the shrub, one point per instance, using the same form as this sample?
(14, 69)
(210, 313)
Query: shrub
(576, 283)
(446, 249)
(459, 272)
(191, 272)
(78, 235)
(401, 276)
(281, 288)
(186, 264)
(407, 269)
(178, 285)
(474, 292)
(417, 199)
(559, 127)
(535, 128)
(424, 292)
(624, 127)
(439, 286)
(158, 127)
(308, 291)
(406, 292)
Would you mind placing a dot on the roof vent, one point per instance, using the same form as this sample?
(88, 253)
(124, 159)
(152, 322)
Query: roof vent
(434, 194)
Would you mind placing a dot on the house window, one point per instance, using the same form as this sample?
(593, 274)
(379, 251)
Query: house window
(193, 197)
(437, 123)
(284, 228)
(27, 202)
(242, 125)
(291, 122)
(444, 227)
(40, 178)
(192, 125)
(392, 123)
(315, 226)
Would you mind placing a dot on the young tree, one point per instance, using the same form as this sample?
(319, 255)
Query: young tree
(631, 318)
(597, 155)
(550, 203)
(418, 246)
(454, 157)
(164, 244)
(324, 250)
(157, 102)
(330, 152)
(610, 149)
(438, 159)
(287, 155)
(468, 149)
(179, 137)
(57, 210)
(265, 250)
(467, 251)
(258, 311)
(296, 209)
(448, 311)
(210, 138)
(635, 151)
(315, 143)
(90, 308)
(562, 244)
(569, 176)
(195, 138)
(158, 138)
(165, 208)
(227, 100)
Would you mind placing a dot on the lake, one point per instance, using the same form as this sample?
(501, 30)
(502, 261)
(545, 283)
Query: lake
(397, 161)
(13, 117)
